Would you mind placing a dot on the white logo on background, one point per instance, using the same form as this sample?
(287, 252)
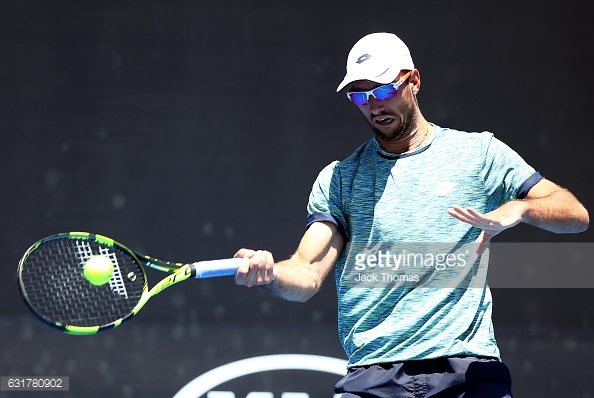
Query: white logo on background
(205, 383)
(444, 188)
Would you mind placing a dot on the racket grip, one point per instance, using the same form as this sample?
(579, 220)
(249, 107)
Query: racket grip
(214, 268)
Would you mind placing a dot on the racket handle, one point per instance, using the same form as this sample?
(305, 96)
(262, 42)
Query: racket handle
(214, 268)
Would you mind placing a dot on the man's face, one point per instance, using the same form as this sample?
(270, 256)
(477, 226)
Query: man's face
(391, 119)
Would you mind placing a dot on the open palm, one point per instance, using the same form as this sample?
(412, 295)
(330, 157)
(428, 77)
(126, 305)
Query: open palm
(492, 223)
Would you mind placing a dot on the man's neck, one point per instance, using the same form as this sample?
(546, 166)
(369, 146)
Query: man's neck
(410, 142)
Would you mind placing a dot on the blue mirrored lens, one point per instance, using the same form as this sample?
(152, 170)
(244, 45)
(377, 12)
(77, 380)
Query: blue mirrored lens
(359, 98)
(383, 93)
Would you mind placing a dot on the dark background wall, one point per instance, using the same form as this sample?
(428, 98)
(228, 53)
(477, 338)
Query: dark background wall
(190, 129)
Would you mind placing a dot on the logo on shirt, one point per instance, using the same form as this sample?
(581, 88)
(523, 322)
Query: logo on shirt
(444, 188)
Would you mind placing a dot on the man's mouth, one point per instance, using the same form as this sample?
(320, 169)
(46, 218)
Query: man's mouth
(383, 120)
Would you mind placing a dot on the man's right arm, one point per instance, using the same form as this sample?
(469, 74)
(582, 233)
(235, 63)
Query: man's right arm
(301, 276)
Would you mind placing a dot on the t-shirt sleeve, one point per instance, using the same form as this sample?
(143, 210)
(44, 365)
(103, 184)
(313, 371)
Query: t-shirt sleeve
(325, 199)
(506, 174)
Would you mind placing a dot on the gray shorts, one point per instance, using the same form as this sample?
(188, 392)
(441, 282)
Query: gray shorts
(454, 377)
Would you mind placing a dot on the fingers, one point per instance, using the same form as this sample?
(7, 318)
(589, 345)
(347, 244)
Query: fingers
(258, 269)
(461, 214)
(470, 216)
(244, 253)
(483, 241)
(478, 220)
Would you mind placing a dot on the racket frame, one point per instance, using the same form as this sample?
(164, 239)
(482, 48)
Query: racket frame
(178, 272)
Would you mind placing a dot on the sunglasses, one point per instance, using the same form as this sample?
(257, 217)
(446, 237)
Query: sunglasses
(380, 93)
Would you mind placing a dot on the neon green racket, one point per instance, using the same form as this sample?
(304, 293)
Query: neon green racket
(54, 285)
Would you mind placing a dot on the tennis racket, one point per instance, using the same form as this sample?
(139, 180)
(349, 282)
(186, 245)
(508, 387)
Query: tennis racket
(52, 284)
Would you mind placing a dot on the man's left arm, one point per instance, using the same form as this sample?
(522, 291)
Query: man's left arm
(547, 206)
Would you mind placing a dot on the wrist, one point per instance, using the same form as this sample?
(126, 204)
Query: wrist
(524, 208)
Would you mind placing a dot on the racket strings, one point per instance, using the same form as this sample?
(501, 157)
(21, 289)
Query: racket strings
(85, 252)
(116, 282)
(53, 284)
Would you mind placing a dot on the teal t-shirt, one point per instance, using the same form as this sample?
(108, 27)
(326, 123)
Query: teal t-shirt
(377, 197)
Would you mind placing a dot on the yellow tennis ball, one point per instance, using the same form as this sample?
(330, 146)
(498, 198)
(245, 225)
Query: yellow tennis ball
(98, 270)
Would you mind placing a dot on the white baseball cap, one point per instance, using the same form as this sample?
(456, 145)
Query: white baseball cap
(378, 57)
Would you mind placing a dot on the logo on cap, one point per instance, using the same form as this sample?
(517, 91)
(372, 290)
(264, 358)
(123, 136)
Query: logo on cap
(363, 58)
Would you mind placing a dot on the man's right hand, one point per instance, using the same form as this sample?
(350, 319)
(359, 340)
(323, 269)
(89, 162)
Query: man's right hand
(258, 268)
(299, 277)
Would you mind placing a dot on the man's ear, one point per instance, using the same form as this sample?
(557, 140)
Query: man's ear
(415, 80)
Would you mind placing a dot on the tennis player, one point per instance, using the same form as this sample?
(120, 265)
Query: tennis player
(399, 186)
